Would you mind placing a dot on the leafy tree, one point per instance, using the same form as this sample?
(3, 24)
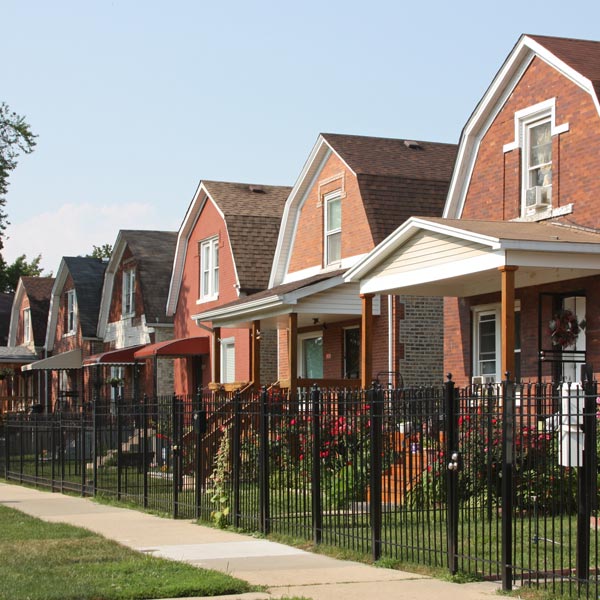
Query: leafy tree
(16, 137)
(10, 274)
(103, 251)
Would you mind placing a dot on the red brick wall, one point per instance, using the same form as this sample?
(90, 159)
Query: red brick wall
(209, 224)
(494, 189)
(63, 341)
(307, 250)
(127, 263)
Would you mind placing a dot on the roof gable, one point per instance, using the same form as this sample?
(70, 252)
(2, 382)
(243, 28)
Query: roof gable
(577, 60)
(394, 176)
(247, 210)
(153, 252)
(38, 290)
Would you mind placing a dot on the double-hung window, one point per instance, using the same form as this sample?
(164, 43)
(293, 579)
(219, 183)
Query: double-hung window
(128, 293)
(71, 324)
(537, 154)
(228, 360)
(209, 269)
(27, 325)
(333, 228)
(310, 355)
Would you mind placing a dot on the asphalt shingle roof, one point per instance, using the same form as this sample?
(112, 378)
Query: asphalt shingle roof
(154, 252)
(397, 178)
(253, 215)
(88, 278)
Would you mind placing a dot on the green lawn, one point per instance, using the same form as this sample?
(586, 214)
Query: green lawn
(46, 561)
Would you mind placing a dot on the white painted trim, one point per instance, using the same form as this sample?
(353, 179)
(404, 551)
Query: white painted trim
(490, 105)
(301, 337)
(57, 288)
(15, 314)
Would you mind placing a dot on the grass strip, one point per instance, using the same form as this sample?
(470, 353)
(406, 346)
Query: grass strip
(47, 561)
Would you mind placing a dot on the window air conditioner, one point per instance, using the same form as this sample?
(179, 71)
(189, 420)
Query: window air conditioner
(483, 379)
(538, 197)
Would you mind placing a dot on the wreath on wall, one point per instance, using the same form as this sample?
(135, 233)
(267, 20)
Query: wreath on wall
(565, 328)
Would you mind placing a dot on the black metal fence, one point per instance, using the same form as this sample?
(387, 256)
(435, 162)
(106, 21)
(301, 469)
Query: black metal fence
(496, 481)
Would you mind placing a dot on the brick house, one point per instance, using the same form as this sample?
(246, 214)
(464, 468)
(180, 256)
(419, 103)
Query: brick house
(26, 337)
(352, 192)
(71, 333)
(517, 254)
(224, 252)
(132, 317)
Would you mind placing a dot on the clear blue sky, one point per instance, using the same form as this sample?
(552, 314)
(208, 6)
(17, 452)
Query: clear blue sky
(135, 102)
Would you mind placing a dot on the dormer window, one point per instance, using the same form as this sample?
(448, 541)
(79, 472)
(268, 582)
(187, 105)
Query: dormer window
(333, 228)
(128, 308)
(71, 321)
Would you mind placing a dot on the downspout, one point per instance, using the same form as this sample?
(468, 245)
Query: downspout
(390, 339)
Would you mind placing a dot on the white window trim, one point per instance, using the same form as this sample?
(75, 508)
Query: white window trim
(27, 337)
(128, 294)
(524, 119)
(494, 308)
(336, 195)
(226, 342)
(301, 338)
(71, 310)
(211, 294)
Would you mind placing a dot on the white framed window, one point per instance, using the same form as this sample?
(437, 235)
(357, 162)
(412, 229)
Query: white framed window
(575, 355)
(310, 355)
(487, 340)
(535, 126)
(128, 306)
(228, 360)
(71, 322)
(209, 269)
(27, 337)
(333, 228)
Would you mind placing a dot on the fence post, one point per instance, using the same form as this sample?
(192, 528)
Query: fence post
(119, 445)
(317, 509)
(145, 446)
(451, 454)
(375, 398)
(176, 450)
(586, 478)
(200, 427)
(7, 446)
(235, 466)
(508, 439)
(263, 428)
(95, 446)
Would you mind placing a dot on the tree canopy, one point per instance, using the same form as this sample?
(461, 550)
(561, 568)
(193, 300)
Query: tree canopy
(103, 251)
(16, 138)
(10, 274)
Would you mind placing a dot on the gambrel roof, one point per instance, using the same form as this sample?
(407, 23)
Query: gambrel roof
(153, 253)
(396, 177)
(577, 60)
(252, 215)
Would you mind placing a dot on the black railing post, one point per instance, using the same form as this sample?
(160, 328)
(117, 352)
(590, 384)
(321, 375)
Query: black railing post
(53, 445)
(7, 446)
(200, 428)
(119, 445)
(451, 455)
(508, 439)
(176, 450)
(145, 445)
(35, 447)
(263, 428)
(586, 479)
(236, 459)
(94, 448)
(375, 399)
(317, 509)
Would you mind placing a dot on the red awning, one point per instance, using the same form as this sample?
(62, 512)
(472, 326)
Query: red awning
(181, 347)
(123, 356)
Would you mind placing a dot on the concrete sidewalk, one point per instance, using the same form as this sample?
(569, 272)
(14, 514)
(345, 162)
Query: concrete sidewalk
(286, 571)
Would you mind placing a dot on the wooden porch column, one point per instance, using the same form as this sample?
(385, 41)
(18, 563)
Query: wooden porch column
(293, 349)
(255, 353)
(366, 342)
(216, 354)
(508, 319)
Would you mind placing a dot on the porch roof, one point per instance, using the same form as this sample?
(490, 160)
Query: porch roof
(191, 346)
(71, 359)
(455, 257)
(17, 354)
(323, 297)
(122, 356)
